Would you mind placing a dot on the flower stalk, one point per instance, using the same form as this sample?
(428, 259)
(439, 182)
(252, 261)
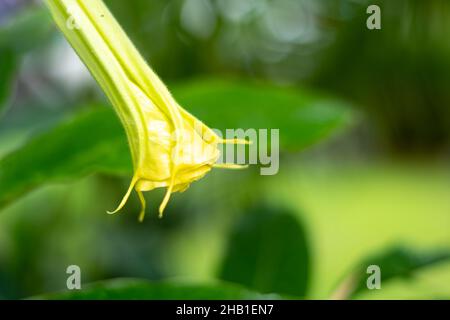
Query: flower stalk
(170, 148)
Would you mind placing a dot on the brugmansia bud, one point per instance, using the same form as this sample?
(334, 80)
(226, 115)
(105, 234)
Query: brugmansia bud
(170, 147)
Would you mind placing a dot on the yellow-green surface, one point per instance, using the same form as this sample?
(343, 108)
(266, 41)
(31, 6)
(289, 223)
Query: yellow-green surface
(351, 212)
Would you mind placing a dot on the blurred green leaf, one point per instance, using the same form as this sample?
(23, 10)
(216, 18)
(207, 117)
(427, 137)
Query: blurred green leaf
(130, 289)
(397, 262)
(8, 65)
(303, 117)
(91, 142)
(95, 141)
(268, 252)
(28, 30)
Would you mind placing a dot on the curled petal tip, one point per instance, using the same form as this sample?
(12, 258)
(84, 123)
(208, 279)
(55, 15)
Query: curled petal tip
(230, 166)
(236, 141)
(161, 210)
(143, 206)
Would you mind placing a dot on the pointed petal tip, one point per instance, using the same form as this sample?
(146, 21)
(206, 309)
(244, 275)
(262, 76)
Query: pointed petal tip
(230, 166)
(112, 212)
(236, 141)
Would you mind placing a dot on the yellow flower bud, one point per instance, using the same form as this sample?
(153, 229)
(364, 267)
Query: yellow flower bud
(170, 147)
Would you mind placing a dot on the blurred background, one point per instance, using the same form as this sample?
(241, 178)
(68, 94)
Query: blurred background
(364, 119)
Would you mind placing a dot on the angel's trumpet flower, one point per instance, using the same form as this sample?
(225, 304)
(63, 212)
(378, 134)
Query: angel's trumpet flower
(170, 147)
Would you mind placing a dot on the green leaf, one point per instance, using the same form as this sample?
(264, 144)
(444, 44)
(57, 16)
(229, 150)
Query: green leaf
(91, 142)
(8, 66)
(397, 262)
(95, 141)
(133, 289)
(28, 30)
(304, 117)
(268, 252)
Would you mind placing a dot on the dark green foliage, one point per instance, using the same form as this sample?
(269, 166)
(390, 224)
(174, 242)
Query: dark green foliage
(268, 251)
(130, 289)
